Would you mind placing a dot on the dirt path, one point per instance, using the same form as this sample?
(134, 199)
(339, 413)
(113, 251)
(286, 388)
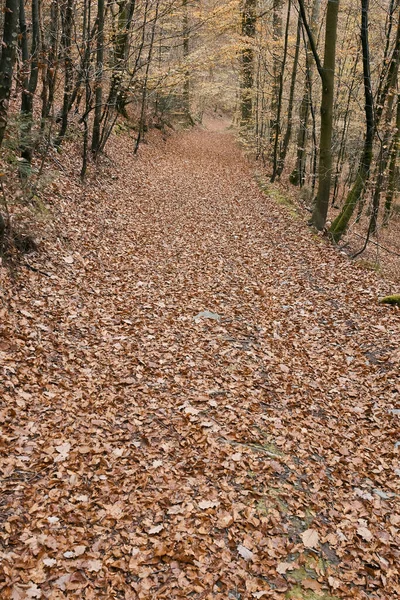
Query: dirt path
(152, 454)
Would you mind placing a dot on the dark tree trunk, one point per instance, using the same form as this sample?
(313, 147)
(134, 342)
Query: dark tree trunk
(98, 108)
(248, 33)
(277, 128)
(391, 185)
(30, 77)
(288, 132)
(341, 222)
(325, 147)
(7, 60)
(298, 175)
(67, 15)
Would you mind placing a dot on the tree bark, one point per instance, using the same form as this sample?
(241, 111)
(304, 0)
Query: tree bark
(30, 81)
(98, 108)
(341, 222)
(297, 176)
(7, 60)
(67, 13)
(325, 147)
(288, 132)
(248, 33)
(391, 186)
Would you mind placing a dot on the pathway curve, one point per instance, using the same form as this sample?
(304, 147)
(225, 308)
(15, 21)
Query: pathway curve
(152, 454)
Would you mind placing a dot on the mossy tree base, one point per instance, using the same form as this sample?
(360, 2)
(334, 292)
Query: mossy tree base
(394, 300)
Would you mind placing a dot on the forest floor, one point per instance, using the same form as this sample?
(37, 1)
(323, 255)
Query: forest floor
(200, 397)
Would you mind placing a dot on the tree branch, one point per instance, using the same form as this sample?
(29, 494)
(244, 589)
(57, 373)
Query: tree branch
(311, 39)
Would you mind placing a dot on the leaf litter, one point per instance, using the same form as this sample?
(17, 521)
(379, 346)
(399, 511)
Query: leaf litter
(150, 454)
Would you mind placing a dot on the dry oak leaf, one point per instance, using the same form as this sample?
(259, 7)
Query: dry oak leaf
(225, 519)
(365, 533)
(283, 567)
(245, 552)
(310, 538)
(33, 591)
(311, 584)
(63, 451)
(204, 504)
(94, 565)
(156, 529)
(333, 582)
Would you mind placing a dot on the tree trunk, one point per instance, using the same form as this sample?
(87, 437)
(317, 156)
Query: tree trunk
(298, 175)
(7, 60)
(288, 132)
(277, 125)
(341, 222)
(248, 33)
(98, 108)
(67, 13)
(391, 186)
(325, 146)
(186, 50)
(30, 81)
(277, 66)
(51, 71)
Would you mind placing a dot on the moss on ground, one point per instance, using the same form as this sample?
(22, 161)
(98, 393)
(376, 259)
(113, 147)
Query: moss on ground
(273, 192)
(394, 300)
(298, 593)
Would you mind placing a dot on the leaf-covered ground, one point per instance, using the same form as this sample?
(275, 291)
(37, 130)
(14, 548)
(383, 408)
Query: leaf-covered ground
(200, 398)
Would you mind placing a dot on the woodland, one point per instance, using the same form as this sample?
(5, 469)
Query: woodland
(199, 299)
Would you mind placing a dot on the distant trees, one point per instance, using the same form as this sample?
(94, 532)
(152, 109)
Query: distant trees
(353, 173)
(314, 85)
(76, 65)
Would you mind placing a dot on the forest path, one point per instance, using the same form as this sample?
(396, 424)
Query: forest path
(153, 454)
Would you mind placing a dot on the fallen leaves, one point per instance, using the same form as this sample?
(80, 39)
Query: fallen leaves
(245, 552)
(310, 538)
(149, 453)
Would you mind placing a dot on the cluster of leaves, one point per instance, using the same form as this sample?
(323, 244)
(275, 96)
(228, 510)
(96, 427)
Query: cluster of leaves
(197, 399)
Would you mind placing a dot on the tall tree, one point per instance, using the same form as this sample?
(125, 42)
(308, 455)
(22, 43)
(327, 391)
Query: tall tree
(327, 74)
(248, 32)
(298, 174)
(30, 76)
(340, 224)
(98, 107)
(7, 60)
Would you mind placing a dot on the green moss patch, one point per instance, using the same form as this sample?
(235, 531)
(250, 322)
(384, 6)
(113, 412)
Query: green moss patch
(394, 300)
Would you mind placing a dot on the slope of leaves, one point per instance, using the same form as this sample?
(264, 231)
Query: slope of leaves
(199, 400)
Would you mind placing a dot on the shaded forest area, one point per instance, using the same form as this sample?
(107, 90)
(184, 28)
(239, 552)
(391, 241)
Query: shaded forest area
(311, 87)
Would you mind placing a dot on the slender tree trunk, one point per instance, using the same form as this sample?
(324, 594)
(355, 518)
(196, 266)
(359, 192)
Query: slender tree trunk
(29, 81)
(7, 60)
(298, 175)
(325, 147)
(67, 14)
(391, 186)
(277, 127)
(144, 92)
(288, 132)
(248, 33)
(51, 71)
(186, 51)
(277, 67)
(341, 222)
(98, 108)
